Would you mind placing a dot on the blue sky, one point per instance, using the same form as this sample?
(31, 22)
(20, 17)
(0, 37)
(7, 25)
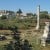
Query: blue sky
(25, 5)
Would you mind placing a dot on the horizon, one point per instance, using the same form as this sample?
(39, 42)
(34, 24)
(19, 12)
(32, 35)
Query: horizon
(25, 5)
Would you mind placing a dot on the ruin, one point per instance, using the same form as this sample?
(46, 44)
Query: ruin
(45, 37)
(38, 14)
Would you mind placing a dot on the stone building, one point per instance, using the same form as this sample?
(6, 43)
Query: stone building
(8, 13)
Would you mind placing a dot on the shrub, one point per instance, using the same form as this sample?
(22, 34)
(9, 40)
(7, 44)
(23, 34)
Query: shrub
(3, 17)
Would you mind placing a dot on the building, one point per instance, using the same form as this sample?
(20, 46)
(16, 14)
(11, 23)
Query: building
(9, 14)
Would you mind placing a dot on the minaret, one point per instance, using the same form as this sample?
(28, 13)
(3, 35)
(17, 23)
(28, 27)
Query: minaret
(38, 14)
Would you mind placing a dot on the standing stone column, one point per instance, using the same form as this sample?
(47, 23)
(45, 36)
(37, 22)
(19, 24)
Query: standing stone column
(45, 35)
(38, 14)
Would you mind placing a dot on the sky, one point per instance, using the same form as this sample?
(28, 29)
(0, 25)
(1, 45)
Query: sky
(25, 5)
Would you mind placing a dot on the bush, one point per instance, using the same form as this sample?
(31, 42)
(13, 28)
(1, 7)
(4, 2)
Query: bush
(45, 16)
(1, 26)
(4, 17)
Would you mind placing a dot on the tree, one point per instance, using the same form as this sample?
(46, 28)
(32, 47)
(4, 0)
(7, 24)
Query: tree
(34, 14)
(44, 12)
(26, 45)
(45, 16)
(19, 12)
(29, 14)
(9, 46)
(3, 17)
(16, 42)
(16, 37)
(1, 26)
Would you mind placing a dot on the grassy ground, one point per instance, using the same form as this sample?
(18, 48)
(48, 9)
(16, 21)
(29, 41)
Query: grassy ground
(7, 34)
(31, 35)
